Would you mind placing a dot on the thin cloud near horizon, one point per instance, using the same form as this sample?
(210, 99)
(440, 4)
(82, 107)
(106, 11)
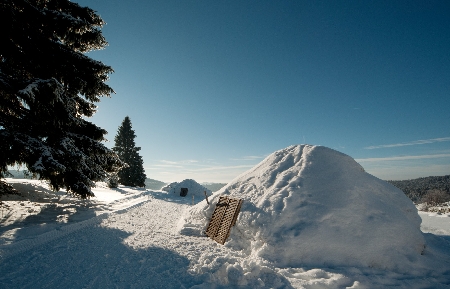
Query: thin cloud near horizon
(249, 158)
(213, 173)
(403, 158)
(417, 142)
(178, 162)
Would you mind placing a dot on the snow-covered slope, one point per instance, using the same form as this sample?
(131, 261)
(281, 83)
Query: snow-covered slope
(313, 206)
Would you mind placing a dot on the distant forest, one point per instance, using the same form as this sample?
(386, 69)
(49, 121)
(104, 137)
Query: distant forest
(417, 189)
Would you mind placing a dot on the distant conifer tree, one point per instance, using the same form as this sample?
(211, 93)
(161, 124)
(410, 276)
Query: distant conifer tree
(133, 175)
(48, 87)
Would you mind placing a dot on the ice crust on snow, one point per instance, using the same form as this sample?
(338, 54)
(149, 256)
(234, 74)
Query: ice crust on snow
(311, 205)
(193, 187)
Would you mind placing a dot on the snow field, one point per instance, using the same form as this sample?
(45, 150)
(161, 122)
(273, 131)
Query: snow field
(138, 247)
(136, 238)
(152, 224)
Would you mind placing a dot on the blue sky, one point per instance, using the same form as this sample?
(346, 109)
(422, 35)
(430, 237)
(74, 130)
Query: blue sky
(212, 87)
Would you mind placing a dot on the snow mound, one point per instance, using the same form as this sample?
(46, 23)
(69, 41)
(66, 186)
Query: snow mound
(193, 187)
(310, 205)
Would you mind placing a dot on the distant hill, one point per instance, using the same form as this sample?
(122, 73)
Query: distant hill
(416, 189)
(214, 187)
(152, 184)
(149, 183)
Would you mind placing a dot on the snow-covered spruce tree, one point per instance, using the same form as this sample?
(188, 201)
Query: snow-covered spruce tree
(47, 88)
(133, 175)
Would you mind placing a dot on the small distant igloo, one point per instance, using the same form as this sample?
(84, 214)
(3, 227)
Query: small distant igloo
(190, 186)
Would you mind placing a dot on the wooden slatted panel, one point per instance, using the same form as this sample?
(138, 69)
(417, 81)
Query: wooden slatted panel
(216, 218)
(223, 218)
(227, 221)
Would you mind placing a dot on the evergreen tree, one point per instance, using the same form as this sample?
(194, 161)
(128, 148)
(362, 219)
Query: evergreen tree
(47, 88)
(133, 175)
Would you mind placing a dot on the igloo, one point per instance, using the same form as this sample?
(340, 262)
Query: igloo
(311, 205)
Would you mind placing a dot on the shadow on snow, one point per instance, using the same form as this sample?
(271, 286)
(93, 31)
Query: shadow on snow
(95, 257)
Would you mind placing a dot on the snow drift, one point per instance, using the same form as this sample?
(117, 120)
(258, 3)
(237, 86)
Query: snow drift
(311, 205)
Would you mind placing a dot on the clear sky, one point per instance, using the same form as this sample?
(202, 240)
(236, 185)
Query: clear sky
(212, 87)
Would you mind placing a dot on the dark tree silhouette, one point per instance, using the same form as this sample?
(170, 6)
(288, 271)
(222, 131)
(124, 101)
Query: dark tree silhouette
(133, 175)
(48, 87)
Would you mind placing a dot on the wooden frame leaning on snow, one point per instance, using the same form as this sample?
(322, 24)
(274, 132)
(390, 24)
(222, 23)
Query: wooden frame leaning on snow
(223, 218)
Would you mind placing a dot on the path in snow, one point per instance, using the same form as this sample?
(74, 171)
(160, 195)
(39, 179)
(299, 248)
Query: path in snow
(107, 251)
(134, 247)
(154, 225)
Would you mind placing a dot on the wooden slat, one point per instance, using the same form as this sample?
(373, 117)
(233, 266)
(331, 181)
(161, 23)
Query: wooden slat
(237, 210)
(223, 218)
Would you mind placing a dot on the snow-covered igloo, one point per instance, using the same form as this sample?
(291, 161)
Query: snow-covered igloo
(311, 205)
(193, 187)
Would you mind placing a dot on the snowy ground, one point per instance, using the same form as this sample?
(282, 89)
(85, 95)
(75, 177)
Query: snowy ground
(126, 238)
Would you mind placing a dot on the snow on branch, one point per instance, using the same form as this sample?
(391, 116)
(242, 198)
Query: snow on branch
(28, 94)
